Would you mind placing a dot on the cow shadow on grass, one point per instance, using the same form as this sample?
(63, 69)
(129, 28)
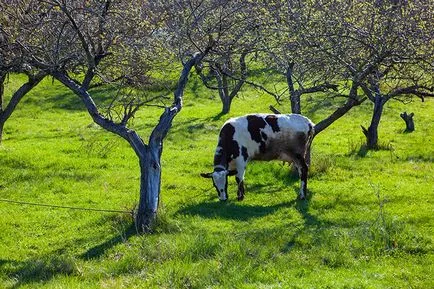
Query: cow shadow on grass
(243, 211)
(232, 210)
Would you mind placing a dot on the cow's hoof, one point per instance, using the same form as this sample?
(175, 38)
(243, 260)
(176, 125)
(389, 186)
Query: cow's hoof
(240, 198)
(302, 198)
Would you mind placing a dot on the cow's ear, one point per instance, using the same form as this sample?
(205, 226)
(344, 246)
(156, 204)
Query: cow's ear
(232, 173)
(206, 175)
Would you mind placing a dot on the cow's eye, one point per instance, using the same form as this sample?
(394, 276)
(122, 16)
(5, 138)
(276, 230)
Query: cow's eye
(221, 190)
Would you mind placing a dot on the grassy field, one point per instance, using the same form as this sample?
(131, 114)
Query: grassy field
(368, 222)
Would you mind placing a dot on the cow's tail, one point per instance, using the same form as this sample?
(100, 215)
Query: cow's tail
(310, 136)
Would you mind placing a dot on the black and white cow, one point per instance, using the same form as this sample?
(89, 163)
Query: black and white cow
(265, 137)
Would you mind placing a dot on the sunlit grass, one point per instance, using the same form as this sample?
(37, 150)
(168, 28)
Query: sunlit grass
(368, 222)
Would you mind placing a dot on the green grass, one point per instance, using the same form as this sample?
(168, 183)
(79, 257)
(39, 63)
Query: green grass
(367, 224)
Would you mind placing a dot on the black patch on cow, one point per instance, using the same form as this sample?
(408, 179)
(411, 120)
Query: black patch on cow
(244, 153)
(229, 147)
(254, 125)
(272, 121)
(219, 169)
(219, 157)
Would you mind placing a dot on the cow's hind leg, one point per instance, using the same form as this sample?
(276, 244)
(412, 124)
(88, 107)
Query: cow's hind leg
(241, 167)
(302, 167)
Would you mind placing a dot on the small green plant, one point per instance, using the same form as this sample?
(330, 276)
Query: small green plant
(384, 230)
(320, 164)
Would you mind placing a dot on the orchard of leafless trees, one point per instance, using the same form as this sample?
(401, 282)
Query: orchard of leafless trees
(355, 51)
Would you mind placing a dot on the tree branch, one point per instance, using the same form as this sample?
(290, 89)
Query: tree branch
(20, 93)
(274, 110)
(162, 128)
(91, 107)
(419, 91)
(321, 87)
(353, 100)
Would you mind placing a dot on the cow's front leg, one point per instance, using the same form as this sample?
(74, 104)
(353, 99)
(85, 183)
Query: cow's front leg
(240, 193)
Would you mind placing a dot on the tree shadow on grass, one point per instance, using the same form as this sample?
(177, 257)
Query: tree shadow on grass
(46, 267)
(41, 269)
(99, 250)
(313, 225)
(71, 102)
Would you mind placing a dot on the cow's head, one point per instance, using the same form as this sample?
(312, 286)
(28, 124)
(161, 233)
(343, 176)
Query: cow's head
(220, 181)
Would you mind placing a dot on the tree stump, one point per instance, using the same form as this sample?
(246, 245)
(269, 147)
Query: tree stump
(409, 122)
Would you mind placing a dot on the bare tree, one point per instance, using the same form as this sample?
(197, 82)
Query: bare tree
(12, 61)
(398, 33)
(78, 42)
(235, 27)
(382, 47)
(304, 46)
(304, 70)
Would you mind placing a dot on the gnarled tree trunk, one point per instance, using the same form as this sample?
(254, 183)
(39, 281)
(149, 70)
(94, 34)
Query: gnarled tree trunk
(372, 132)
(150, 185)
(409, 122)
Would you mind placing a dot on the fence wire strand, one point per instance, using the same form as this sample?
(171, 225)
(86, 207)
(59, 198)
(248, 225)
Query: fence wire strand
(65, 207)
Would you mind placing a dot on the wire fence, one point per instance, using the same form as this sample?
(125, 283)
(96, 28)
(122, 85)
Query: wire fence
(65, 207)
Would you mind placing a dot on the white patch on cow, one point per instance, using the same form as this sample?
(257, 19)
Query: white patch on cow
(291, 123)
(220, 180)
(242, 136)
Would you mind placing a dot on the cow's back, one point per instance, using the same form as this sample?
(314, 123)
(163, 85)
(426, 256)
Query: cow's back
(270, 136)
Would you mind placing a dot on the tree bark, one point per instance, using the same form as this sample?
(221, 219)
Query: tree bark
(372, 132)
(226, 105)
(294, 95)
(150, 186)
(223, 91)
(150, 155)
(409, 122)
(295, 102)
